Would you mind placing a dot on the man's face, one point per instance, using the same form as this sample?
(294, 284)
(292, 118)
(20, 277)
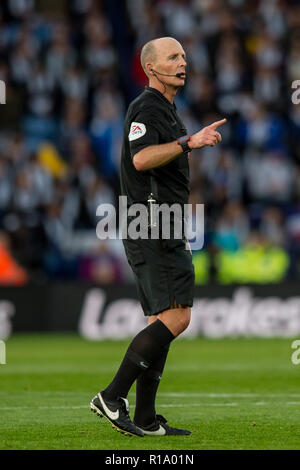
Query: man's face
(170, 59)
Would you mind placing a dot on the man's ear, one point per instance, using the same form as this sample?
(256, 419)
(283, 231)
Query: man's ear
(149, 69)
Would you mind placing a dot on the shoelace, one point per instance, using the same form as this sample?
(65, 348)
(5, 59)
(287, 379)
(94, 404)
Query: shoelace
(125, 409)
(161, 419)
(125, 401)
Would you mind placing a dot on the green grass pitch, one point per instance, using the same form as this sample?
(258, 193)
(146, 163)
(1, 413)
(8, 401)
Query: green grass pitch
(232, 394)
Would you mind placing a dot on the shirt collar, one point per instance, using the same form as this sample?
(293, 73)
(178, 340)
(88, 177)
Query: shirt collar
(160, 95)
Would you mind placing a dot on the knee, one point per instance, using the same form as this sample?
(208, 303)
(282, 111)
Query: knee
(185, 319)
(177, 320)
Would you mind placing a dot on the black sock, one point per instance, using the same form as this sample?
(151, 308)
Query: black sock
(146, 348)
(146, 388)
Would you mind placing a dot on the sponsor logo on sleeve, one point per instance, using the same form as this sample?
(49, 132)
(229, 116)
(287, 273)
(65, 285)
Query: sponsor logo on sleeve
(137, 130)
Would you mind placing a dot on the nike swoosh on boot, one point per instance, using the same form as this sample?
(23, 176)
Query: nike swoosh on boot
(114, 415)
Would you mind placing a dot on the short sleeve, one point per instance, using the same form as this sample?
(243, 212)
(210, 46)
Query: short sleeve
(143, 132)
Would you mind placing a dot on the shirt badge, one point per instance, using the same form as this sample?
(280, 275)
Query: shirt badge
(137, 130)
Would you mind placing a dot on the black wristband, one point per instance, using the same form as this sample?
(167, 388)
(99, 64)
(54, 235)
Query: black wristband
(184, 143)
(185, 147)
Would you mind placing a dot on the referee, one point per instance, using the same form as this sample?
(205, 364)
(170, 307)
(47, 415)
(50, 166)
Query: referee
(155, 167)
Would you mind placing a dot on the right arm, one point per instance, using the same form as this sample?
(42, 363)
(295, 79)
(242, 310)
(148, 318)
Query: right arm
(155, 156)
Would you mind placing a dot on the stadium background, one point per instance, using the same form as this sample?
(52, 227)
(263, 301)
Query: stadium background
(71, 69)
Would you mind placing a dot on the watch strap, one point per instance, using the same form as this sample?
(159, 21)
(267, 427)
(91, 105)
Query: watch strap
(185, 146)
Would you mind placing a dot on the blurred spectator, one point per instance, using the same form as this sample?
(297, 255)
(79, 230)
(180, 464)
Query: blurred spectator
(61, 55)
(272, 226)
(226, 180)
(260, 128)
(58, 262)
(11, 274)
(107, 132)
(179, 19)
(101, 267)
(20, 9)
(232, 229)
(269, 176)
(99, 53)
(73, 123)
(6, 187)
(98, 193)
(25, 199)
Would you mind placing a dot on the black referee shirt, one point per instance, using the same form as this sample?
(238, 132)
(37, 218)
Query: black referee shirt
(152, 120)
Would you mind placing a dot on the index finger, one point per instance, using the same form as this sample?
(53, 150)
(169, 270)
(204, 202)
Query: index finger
(216, 124)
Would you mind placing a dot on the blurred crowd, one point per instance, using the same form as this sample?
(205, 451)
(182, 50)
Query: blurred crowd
(71, 69)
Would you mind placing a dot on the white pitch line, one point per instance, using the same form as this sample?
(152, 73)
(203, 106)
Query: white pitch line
(173, 394)
(227, 395)
(184, 405)
(169, 405)
(43, 407)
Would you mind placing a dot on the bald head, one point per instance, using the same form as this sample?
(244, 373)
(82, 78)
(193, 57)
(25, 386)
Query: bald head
(148, 54)
(152, 49)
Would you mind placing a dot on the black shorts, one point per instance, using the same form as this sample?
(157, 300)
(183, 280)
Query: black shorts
(163, 271)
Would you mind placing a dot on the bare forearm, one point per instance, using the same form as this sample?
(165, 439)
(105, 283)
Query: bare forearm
(155, 156)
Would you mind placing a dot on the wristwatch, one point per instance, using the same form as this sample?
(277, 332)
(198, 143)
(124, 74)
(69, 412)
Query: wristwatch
(183, 141)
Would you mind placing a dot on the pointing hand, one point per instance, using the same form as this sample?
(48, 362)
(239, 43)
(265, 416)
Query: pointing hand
(207, 136)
